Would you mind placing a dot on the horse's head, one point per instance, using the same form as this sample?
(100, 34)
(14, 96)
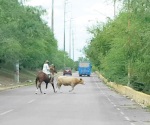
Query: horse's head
(53, 69)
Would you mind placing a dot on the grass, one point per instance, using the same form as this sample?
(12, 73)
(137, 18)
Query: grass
(148, 108)
(7, 77)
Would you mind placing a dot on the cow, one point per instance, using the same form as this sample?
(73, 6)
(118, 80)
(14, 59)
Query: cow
(69, 81)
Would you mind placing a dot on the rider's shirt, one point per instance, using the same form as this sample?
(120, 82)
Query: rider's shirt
(46, 68)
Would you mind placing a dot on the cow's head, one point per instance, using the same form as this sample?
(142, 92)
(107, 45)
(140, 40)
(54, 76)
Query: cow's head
(82, 81)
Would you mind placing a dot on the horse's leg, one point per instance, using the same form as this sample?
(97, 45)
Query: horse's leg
(40, 87)
(36, 91)
(46, 88)
(56, 88)
(36, 84)
(53, 86)
(52, 83)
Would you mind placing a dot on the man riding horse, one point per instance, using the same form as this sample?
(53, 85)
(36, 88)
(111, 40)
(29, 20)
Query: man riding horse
(46, 68)
(46, 75)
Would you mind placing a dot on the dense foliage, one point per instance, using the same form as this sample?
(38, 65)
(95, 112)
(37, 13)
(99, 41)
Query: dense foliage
(120, 48)
(26, 38)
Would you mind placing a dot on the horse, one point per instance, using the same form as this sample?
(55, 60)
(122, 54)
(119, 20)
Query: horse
(42, 77)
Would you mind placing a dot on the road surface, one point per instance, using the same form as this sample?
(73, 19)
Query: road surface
(91, 104)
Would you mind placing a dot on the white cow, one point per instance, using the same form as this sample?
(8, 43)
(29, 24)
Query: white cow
(68, 81)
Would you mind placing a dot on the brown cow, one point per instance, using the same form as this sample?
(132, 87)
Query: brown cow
(68, 81)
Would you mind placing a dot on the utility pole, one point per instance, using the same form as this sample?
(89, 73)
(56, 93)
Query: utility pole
(52, 17)
(70, 31)
(64, 24)
(129, 58)
(70, 34)
(64, 29)
(73, 44)
(114, 8)
(16, 74)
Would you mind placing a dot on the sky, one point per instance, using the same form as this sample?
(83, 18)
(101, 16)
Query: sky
(82, 13)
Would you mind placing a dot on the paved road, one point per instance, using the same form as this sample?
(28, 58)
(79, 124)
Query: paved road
(91, 104)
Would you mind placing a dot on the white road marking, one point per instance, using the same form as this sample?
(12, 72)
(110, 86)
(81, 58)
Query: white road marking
(118, 109)
(127, 118)
(6, 112)
(122, 113)
(108, 99)
(97, 85)
(115, 105)
(112, 103)
(31, 101)
(132, 124)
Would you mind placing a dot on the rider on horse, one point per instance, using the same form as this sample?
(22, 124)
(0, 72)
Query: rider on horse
(46, 68)
(46, 75)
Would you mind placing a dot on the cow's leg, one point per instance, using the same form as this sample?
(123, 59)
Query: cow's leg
(58, 88)
(72, 86)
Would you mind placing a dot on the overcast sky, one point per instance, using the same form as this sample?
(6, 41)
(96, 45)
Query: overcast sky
(84, 13)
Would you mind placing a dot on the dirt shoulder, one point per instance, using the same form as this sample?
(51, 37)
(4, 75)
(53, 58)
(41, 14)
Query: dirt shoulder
(7, 79)
(26, 77)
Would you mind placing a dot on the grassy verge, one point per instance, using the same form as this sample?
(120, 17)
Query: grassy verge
(7, 78)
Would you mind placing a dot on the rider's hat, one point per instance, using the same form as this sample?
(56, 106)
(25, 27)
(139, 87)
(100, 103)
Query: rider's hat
(47, 61)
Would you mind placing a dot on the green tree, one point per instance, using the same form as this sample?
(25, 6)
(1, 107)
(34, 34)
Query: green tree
(121, 47)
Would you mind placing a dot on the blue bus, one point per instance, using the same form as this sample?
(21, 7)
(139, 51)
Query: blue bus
(84, 68)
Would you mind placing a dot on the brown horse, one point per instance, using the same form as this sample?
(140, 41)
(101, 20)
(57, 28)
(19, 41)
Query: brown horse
(42, 77)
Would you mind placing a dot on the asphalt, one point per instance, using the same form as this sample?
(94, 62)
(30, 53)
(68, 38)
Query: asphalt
(91, 104)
